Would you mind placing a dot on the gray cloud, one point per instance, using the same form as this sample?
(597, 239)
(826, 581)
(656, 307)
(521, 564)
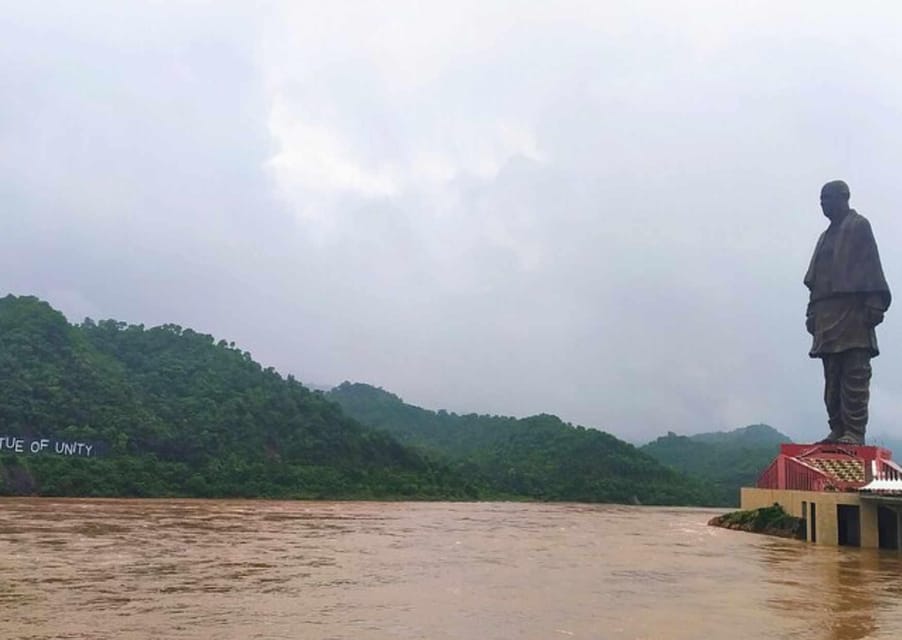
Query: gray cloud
(603, 213)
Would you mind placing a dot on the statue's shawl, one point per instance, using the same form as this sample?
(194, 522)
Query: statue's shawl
(856, 263)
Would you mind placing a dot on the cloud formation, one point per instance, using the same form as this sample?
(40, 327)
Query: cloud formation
(507, 207)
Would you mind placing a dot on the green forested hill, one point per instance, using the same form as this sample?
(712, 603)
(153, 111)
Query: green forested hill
(726, 461)
(175, 413)
(179, 414)
(539, 457)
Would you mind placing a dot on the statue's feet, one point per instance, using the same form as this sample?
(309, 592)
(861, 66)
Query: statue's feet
(833, 438)
(850, 439)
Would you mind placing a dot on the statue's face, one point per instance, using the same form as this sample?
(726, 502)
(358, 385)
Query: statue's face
(833, 201)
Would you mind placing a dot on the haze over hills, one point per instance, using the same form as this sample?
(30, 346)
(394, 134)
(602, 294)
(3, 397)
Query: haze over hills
(724, 460)
(540, 457)
(753, 435)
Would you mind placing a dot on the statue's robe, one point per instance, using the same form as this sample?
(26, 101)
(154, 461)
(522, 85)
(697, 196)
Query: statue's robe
(848, 295)
(846, 281)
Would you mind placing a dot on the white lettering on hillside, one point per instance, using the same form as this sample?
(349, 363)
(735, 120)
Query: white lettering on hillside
(17, 444)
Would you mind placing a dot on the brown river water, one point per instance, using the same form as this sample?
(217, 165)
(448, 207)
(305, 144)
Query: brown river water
(130, 569)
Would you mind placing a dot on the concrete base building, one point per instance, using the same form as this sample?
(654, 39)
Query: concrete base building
(846, 494)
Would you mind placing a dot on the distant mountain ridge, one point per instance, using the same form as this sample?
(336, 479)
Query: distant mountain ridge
(724, 460)
(753, 435)
(539, 457)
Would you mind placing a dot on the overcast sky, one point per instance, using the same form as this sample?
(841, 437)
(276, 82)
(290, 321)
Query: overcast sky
(601, 210)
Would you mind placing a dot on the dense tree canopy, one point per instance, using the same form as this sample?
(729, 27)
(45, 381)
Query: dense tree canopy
(725, 461)
(539, 457)
(177, 413)
(180, 414)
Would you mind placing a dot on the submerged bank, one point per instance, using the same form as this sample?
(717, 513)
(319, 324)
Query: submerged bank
(772, 521)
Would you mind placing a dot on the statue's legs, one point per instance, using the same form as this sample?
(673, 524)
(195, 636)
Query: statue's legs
(847, 377)
(833, 395)
(856, 380)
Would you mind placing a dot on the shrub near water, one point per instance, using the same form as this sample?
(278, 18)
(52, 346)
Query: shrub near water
(771, 520)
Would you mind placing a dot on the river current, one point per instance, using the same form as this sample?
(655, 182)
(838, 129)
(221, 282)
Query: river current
(147, 569)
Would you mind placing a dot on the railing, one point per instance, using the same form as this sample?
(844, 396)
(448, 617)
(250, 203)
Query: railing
(884, 470)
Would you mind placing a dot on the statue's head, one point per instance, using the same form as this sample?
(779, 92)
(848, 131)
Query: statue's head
(835, 199)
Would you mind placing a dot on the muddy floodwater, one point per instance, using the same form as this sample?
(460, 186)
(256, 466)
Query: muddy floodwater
(129, 569)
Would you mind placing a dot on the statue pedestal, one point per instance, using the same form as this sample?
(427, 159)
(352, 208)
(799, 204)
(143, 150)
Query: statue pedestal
(847, 494)
(825, 467)
(863, 451)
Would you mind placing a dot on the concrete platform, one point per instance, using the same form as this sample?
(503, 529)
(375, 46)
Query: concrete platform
(846, 494)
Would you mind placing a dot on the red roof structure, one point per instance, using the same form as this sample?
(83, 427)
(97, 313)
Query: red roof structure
(833, 467)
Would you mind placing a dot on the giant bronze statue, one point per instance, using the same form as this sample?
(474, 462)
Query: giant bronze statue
(848, 298)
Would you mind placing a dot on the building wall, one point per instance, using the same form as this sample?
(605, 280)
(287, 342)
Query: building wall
(825, 513)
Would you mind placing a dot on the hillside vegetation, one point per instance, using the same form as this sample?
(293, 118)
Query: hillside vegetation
(725, 461)
(539, 457)
(179, 414)
(111, 409)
